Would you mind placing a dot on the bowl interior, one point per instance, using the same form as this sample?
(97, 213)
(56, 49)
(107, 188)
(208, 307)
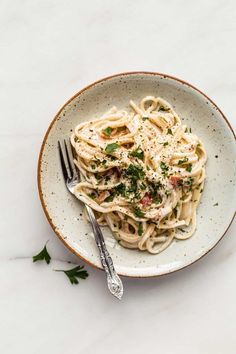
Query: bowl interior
(216, 208)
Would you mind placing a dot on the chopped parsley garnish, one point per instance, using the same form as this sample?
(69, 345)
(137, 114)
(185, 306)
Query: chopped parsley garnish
(104, 162)
(97, 176)
(110, 148)
(140, 229)
(189, 168)
(216, 204)
(164, 168)
(121, 189)
(108, 131)
(180, 162)
(138, 212)
(137, 153)
(145, 118)
(153, 189)
(189, 181)
(93, 167)
(109, 198)
(92, 195)
(165, 143)
(143, 186)
(169, 131)
(135, 172)
(158, 200)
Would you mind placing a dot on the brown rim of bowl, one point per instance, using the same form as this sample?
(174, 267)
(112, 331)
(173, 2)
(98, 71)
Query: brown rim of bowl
(57, 232)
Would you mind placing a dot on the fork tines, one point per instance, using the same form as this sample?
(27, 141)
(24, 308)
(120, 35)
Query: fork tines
(67, 160)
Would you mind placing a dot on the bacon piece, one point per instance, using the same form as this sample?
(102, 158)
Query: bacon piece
(147, 200)
(175, 181)
(102, 196)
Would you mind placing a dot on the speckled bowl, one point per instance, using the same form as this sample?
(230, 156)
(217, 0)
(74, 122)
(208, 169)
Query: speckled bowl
(216, 210)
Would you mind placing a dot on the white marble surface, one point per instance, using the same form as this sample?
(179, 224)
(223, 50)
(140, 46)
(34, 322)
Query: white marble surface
(49, 50)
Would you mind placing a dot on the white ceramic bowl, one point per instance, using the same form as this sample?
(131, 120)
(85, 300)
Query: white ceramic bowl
(216, 210)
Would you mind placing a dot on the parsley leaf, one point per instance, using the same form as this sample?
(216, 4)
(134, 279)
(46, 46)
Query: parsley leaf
(137, 153)
(140, 229)
(135, 172)
(108, 131)
(189, 168)
(138, 212)
(75, 273)
(43, 255)
(121, 189)
(110, 148)
(180, 162)
(189, 181)
(109, 198)
(145, 118)
(169, 131)
(92, 195)
(166, 143)
(164, 168)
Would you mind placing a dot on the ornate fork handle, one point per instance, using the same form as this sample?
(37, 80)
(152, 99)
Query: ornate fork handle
(113, 280)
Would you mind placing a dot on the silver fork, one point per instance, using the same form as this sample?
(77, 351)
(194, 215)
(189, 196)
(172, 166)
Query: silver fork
(72, 178)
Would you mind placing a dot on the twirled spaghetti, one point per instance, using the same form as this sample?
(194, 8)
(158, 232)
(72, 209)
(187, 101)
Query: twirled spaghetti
(142, 172)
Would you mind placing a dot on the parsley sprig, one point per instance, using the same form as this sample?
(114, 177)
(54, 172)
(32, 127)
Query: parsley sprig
(74, 274)
(42, 256)
(108, 131)
(139, 153)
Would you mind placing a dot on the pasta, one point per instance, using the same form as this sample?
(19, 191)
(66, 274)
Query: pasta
(142, 172)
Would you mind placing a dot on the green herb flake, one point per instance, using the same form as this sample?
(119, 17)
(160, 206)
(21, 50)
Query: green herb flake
(169, 131)
(180, 162)
(189, 168)
(97, 176)
(138, 212)
(145, 118)
(165, 143)
(109, 198)
(216, 204)
(110, 148)
(164, 168)
(121, 189)
(135, 172)
(158, 200)
(75, 273)
(140, 229)
(42, 256)
(92, 195)
(139, 153)
(108, 131)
